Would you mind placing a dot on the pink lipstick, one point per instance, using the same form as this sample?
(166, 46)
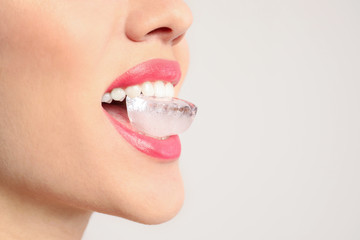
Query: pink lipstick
(165, 150)
(152, 70)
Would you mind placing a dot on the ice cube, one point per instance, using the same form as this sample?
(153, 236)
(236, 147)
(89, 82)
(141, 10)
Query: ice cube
(160, 117)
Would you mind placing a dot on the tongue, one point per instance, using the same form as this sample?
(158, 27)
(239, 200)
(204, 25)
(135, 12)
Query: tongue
(119, 113)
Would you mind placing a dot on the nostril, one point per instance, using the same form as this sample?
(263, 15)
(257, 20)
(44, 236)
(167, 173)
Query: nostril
(160, 20)
(166, 34)
(161, 30)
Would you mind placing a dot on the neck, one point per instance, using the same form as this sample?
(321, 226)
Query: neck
(25, 217)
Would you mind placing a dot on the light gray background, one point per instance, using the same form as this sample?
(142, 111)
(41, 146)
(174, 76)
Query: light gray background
(274, 151)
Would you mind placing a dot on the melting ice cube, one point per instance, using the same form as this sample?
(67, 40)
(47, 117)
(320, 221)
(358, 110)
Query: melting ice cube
(160, 117)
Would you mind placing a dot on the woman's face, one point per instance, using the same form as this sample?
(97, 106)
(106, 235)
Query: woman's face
(57, 58)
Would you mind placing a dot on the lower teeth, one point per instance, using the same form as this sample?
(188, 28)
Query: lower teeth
(160, 117)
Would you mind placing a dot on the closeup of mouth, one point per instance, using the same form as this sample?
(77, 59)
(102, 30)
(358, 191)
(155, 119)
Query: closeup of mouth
(141, 106)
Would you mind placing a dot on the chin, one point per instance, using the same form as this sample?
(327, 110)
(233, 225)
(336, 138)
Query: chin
(148, 199)
(153, 210)
(159, 212)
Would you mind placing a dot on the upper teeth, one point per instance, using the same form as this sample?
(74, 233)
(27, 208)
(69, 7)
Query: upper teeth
(157, 89)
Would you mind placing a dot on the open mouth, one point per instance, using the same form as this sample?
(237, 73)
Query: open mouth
(115, 102)
(141, 107)
(151, 109)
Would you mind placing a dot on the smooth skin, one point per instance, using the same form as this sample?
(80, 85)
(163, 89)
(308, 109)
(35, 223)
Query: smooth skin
(60, 157)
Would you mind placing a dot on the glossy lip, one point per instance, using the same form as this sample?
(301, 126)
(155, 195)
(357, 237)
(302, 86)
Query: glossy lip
(152, 70)
(156, 69)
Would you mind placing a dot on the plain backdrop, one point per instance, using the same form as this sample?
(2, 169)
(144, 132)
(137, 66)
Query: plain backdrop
(274, 152)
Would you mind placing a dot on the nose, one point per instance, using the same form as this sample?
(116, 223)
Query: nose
(165, 20)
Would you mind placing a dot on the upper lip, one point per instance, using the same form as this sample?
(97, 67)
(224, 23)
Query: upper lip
(151, 70)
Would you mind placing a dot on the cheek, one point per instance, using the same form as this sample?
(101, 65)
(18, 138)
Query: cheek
(48, 55)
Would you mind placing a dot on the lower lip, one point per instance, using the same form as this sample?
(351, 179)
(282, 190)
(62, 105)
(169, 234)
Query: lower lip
(167, 150)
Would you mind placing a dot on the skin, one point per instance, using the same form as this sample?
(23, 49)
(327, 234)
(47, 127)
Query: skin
(60, 157)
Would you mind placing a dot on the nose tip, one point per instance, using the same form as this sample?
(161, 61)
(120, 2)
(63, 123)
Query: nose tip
(166, 20)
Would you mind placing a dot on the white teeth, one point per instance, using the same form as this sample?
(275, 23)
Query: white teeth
(133, 91)
(118, 94)
(159, 89)
(106, 98)
(169, 90)
(147, 89)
